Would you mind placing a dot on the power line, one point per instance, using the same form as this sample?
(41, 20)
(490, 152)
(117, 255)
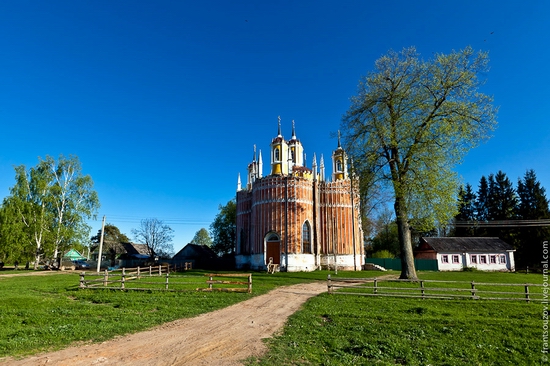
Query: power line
(168, 221)
(504, 223)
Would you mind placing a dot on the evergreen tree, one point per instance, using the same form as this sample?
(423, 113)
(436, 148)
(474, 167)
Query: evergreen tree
(481, 205)
(466, 210)
(533, 205)
(502, 204)
(502, 200)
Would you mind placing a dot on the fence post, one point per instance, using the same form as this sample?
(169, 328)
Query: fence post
(422, 289)
(82, 282)
(250, 283)
(138, 273)
(329, 285)
(167, 275)
(123, 278)
(160, 270)
(375, 282)
(473, 290)
(150, 271)
(527, 293)
(105, 278)
(210, 284)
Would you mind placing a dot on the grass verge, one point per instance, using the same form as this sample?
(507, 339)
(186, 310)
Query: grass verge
(357, 330)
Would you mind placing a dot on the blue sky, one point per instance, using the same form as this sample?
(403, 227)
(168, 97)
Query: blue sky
(162, 101)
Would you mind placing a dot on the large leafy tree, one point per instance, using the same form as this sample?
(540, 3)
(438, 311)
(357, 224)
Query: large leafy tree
(410, 123)
(202, 237)
(112, 242)
(223, 229)
(49, 204)
(15, 244)
(156, 235)
(73, 201)
(31, 199)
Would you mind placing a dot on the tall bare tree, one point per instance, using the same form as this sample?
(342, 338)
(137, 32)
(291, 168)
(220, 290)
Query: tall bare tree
(410, 123)
(156, 235)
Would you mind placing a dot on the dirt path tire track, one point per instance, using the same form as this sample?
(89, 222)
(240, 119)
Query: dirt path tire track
(223, 337)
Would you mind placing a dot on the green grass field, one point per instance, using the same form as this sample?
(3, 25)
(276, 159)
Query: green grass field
(42, 313)
(361, 330)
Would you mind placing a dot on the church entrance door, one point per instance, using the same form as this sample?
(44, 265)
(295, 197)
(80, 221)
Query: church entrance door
(273, 249)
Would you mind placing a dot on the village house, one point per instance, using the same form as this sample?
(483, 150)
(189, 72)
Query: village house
(457, 253)
(198, 257)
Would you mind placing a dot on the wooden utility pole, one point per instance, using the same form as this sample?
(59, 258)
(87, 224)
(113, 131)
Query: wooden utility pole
(101, 245)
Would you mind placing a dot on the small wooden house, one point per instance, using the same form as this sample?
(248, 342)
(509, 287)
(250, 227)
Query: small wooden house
(200, 256)
(135, 255)
(455, 254)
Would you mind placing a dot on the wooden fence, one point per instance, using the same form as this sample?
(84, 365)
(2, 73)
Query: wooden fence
(158, 278)
(211, 282)
(435, 289)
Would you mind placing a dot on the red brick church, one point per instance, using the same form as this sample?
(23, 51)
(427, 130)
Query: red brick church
(295, 216)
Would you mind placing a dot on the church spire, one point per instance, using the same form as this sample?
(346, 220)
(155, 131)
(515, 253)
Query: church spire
(260, 165)
(314, 167)
(322, 169)
(279, 129)
(293, 131)
(339, 145)
(239, 183)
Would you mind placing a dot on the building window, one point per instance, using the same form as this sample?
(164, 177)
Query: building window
(292, 155)
(473, 259)
(277, 154)
(503, 259)
(493, 259)
(306, 238)
(455, 259)
(445, 259)
(338, 165)
(482, 259)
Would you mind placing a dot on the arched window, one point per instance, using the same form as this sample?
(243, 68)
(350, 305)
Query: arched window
(272, 237)
(277, 154)
(338, 165)
(306, 238)
(292, 155)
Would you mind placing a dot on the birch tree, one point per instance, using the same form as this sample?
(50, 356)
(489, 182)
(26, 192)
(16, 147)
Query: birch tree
(73, 200)
(411, 122)
(52, 202)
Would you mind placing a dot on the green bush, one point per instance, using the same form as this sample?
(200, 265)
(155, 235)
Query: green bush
(383, 254)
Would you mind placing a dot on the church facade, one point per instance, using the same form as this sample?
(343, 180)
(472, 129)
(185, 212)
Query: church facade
(294, 216)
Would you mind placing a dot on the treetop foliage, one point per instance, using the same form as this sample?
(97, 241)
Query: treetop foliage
(224, 229)
(202, 238)
(410, 123)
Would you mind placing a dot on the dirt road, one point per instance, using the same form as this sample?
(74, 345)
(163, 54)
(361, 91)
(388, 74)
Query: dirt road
(222, 337)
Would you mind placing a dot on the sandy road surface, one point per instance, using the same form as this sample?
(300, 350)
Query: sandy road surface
(222, 337)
